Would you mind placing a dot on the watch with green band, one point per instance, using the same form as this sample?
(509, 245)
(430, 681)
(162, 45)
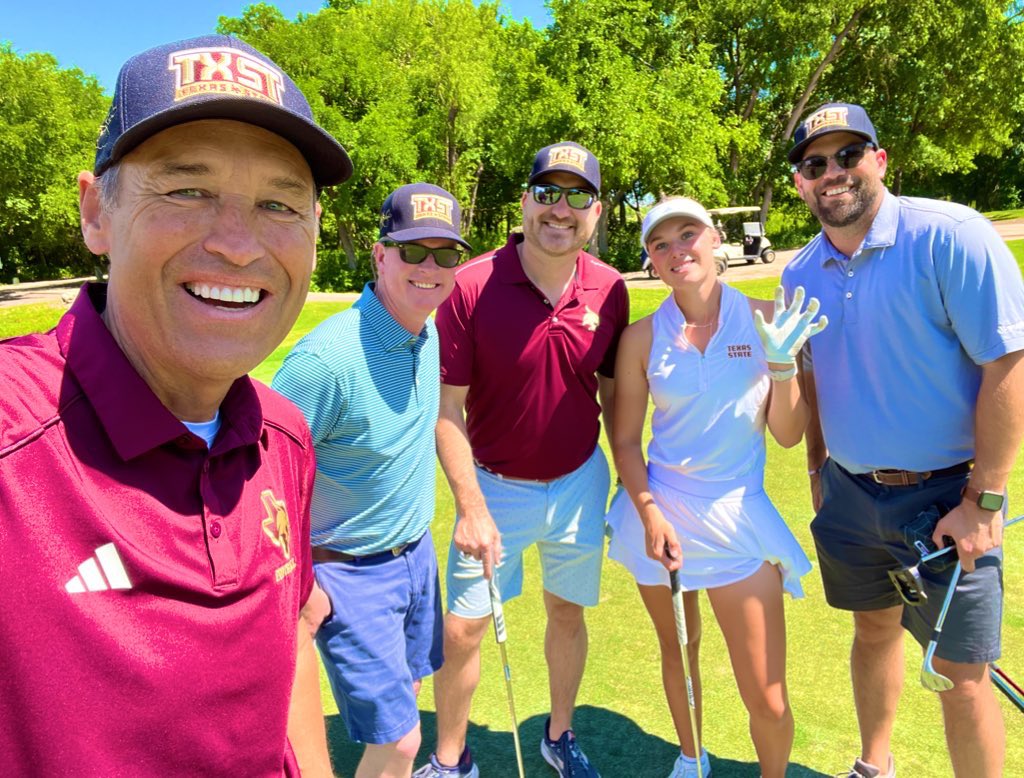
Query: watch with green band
(987, 501)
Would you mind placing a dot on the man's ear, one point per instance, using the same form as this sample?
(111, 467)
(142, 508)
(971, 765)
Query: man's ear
(95, 222)
(883, 162)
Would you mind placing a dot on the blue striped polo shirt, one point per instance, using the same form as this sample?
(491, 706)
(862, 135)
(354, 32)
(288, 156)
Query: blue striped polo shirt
(369, 391)
(931, 295)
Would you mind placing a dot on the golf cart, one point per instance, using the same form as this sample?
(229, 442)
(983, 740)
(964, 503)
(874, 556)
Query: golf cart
(753, 244)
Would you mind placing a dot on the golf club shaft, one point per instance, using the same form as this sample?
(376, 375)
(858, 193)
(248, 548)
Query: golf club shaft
(1007, 687)
(500, 636)
(947, 549)
(1003, 674)
(945, 603)
(680, 614)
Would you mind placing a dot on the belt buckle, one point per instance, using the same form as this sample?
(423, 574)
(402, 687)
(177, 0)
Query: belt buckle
(397, 550)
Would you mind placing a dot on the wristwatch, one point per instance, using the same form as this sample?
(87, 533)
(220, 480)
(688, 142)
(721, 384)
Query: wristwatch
(987, 501)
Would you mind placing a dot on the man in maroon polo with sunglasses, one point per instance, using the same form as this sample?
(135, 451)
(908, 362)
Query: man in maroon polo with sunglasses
(918, 391)
(367, 382)
(528, 342)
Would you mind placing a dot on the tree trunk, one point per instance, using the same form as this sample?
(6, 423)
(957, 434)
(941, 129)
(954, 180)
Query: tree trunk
(453, 154)
(467, 223)
(812, 84)
(346, 243)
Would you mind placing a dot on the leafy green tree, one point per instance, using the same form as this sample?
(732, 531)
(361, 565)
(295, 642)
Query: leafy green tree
(49, 120)
(941, 81)
(641, 97)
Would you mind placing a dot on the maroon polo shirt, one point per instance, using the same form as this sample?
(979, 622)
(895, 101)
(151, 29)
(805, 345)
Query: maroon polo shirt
(151, 588)
(531, 363)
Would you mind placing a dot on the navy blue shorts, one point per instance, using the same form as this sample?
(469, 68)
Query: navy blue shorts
(859, 535)
(385, 631)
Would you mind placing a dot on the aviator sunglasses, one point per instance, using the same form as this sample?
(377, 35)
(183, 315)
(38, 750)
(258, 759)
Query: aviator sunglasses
(848, 157)
(549, 194)
(414, 254)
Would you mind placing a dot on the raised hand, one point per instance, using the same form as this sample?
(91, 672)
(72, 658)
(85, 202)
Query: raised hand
(789, 329)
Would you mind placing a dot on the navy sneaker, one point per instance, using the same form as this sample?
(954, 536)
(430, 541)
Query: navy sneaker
(464, 769)
(566, 756)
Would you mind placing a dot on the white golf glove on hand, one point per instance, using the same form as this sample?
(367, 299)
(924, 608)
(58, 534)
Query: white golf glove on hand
(789, 329)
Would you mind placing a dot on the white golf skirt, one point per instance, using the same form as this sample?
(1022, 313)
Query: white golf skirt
(724, 539)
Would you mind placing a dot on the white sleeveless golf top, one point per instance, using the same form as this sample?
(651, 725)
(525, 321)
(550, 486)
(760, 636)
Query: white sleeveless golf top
(710, 409)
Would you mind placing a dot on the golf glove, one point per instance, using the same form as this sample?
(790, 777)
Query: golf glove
(789, 329)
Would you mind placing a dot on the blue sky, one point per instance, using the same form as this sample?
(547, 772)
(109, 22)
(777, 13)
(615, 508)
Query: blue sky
(98, 37)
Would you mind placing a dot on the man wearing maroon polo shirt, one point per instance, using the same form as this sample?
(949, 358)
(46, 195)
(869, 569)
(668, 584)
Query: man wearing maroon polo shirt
(528, 342)
(158, 600)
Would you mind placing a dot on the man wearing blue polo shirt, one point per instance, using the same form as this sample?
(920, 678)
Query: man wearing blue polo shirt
(919, 384)
(367, 381)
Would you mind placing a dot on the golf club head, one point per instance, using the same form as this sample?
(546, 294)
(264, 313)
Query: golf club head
(931, 679)
(907, 581)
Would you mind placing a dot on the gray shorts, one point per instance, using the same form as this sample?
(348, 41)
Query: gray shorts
(859, 537)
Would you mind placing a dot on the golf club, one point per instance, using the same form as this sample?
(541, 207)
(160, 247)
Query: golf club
(907, 580)
(1006, 685)
(936, 554)
(677, 607)
(498, 615)
(931, 679)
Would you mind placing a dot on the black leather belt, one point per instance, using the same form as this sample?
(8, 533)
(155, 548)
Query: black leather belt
(324, 554)
(910, 478)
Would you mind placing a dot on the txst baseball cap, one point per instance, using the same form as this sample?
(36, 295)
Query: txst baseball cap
(420, 211)
(214, 77)
(567, 157)
(831, 117)
(668, 209)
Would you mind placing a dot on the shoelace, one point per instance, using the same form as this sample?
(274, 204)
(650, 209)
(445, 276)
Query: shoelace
(575, 758)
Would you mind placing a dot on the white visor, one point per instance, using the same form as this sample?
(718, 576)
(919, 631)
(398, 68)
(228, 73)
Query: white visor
(677, 206)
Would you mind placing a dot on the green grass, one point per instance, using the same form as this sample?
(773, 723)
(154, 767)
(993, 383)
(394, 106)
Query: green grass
(1001, 216)
(35, 317)
(622, 720)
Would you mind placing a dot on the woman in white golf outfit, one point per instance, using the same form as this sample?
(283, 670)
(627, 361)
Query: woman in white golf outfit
(718, 374)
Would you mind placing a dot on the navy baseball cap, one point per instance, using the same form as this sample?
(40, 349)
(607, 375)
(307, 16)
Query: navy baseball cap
(831, 117)
(567, 157)
(420, 211)
(214, 77)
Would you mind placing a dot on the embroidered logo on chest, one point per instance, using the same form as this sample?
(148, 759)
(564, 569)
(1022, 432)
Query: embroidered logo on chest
(741, 350)
(277, 527)
(591, 320)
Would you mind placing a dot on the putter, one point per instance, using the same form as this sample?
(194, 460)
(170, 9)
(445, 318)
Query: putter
(498, 615)
(677, 607)
(932, 679)
(1006, 685)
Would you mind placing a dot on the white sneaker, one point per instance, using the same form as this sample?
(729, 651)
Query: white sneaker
(684, 768)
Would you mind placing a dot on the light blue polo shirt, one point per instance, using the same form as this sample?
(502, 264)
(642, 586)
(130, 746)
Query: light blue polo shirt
(369, 391)
(932, 294)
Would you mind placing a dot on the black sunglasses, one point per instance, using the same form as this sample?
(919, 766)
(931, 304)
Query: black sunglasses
(812, 168)
(414, 254)
(549, 194)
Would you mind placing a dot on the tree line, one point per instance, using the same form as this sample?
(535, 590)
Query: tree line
(673, 96)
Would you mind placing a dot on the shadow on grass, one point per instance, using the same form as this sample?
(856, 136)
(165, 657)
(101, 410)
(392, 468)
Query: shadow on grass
(615, 744)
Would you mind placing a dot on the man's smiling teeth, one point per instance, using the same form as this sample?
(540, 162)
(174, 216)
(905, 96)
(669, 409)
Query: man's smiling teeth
(228, 294)
(423, 285)
(838, 190)
(559, 226)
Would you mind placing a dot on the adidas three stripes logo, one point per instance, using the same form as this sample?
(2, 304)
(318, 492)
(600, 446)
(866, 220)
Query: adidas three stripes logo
(100, 572)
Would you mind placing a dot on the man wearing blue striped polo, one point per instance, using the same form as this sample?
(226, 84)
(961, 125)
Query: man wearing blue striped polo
(367, 381)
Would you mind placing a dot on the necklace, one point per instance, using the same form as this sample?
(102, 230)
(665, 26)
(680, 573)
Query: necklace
(701, 326)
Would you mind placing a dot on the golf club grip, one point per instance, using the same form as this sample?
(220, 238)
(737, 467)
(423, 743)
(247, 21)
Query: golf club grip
(497, 612)
(677, 607)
